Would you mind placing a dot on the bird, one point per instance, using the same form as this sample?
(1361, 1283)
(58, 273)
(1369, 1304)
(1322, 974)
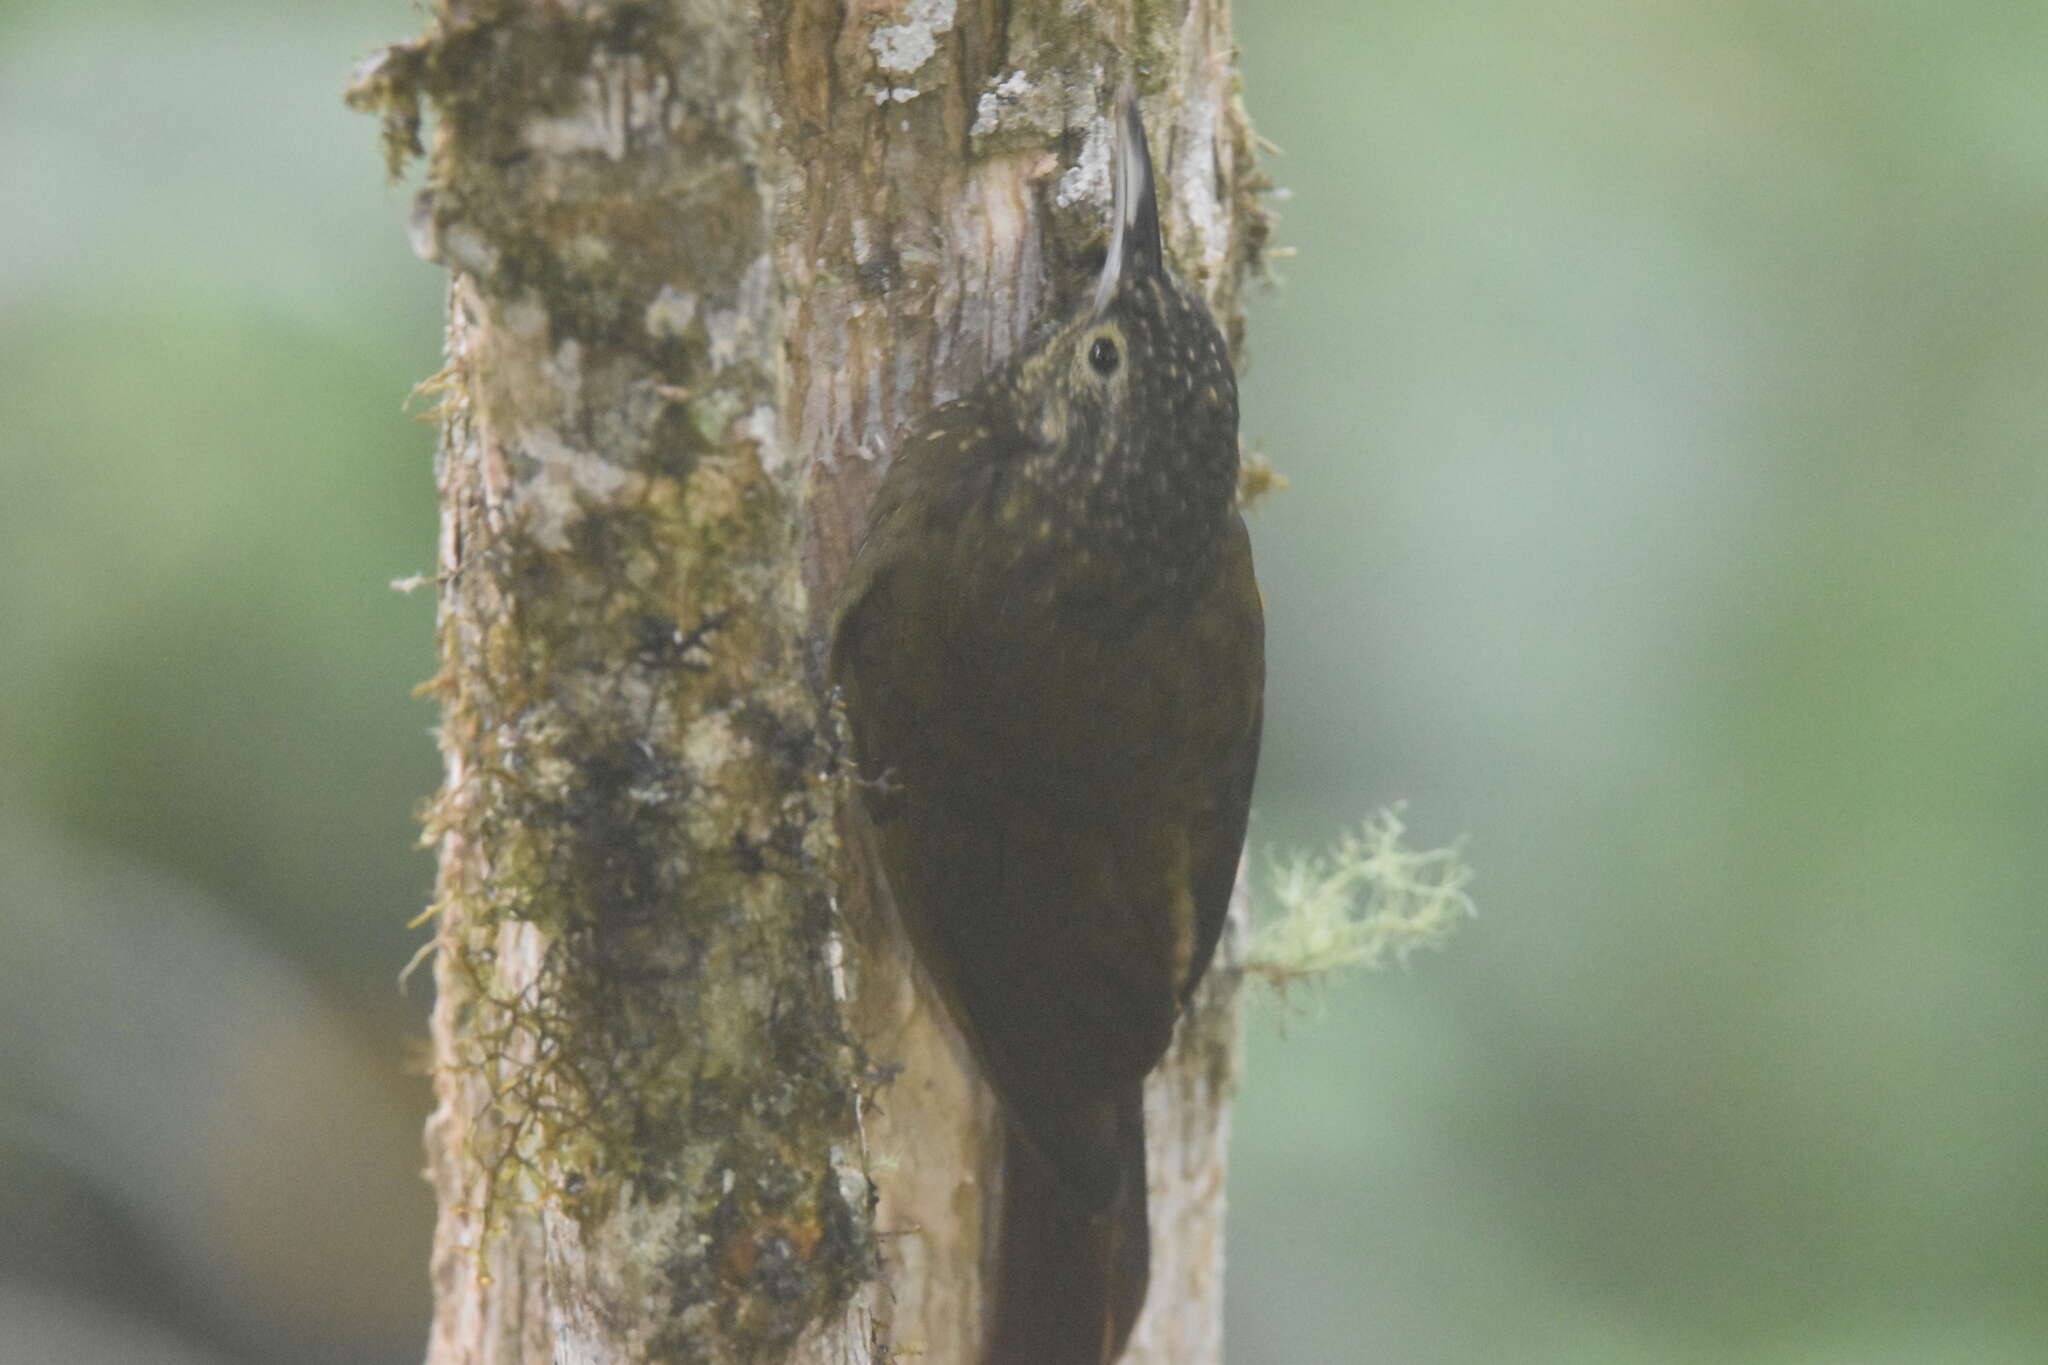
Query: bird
(1049, 648)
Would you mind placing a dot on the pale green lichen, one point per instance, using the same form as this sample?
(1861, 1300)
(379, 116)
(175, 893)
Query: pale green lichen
(1369, 898)
(904, 47)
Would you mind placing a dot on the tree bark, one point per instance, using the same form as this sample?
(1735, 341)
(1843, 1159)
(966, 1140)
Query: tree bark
(707, 258)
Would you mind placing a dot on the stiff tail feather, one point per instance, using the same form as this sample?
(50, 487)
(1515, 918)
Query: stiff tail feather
(1070, 1276)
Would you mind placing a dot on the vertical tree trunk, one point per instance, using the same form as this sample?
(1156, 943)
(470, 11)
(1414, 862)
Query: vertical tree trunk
(706, 259)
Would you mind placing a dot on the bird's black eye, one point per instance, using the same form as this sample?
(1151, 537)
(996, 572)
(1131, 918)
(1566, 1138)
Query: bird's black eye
(1102, 355)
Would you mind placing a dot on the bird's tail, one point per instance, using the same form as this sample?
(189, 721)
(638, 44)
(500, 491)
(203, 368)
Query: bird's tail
(1070, 1274)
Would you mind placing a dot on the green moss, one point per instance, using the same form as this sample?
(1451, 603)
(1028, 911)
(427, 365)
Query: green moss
(388, 87)
(594, 786)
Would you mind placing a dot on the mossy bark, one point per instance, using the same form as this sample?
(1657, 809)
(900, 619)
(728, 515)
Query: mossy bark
(706, 259)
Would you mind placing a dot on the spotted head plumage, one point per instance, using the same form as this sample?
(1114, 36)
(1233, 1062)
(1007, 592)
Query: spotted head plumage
(1130, 402)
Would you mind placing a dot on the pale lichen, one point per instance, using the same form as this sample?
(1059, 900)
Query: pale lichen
(1001, 100)
(1369, 898)
(671, 313)
(565, 481)
(732, 331)
(905, 47)
(1087, 180)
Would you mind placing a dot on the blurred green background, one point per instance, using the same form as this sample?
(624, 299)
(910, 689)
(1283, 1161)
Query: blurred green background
(1662, 387)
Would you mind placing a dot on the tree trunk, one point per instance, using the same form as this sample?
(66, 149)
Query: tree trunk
(707, 258)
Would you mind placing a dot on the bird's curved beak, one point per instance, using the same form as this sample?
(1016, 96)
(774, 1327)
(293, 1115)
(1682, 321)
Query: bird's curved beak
(1134, 244)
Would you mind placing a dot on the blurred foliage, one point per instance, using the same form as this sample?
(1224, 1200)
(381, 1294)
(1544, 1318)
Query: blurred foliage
(1660, 385)
(209, 757)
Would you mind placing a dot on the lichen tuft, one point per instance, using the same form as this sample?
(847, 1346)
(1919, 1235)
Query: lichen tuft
(1369, 898)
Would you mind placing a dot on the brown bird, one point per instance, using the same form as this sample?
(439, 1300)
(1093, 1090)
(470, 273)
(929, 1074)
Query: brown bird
(1051, 652)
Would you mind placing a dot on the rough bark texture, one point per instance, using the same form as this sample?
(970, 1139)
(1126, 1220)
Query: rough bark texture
(707, 258)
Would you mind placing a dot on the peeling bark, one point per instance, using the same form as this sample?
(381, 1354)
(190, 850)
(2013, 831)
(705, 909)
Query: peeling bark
(706, 260)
